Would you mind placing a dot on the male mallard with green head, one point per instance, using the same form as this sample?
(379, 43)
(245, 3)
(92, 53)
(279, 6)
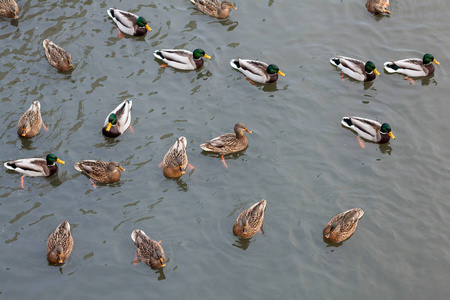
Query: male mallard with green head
(118, 120)
(412, 67)
(182, 59)
(129, 23)
(35, 166)
(370, 130)
(257, 71)
(355, 68)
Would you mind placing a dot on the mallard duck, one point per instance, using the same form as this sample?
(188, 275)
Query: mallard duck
(342, 225)
(101, 171)
(9, 9)
(59, 244)
(413, 67)
(35, 166)
(378, 6)
(175, 161)
(30, 122)
(148, 250)
(369, 129)
(57, 56)
(118, 120)
(214, 7)
(229, 142)
(249, 222)
(182, 59)
(257, 71)
(355, 68)
(129, 23)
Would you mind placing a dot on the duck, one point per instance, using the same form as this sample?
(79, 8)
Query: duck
(370, 130)
(250, 221)
(129, 23)
(378, 6)
(355, 68)
(342, 225)
(229, 142)
(149, 251)
(35, 167)
(214, 8)
(60, 244)
(257, 71)
(412, 67)
(30, 123)
(101, 171)
(175, 161)
(118, 121)
(9, 9)
(57, 56)
(182, 59)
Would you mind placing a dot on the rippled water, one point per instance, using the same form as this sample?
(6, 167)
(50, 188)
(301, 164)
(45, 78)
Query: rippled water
(299, 157)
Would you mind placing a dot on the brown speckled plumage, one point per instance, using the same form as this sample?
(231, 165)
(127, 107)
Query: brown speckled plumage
(229, 142)
(175, 161)
(101, 171)
(149, 251)
(214, 8)
(342, 226)
(59, 244)
(30, 122)
(250, 221)
(57, 56)
(9, 9)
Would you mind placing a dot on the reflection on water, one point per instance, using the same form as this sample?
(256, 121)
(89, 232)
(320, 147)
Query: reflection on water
(241, 243)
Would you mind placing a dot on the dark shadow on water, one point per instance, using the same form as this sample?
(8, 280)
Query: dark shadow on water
(161, 276)
(385, 148)
(228, 156)
(27, 144)
(227, 22)
(182, 186)
(241, 243)
(368, 85)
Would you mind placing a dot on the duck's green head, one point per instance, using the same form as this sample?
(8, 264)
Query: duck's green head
(273, 69)
(386, 129)
(142, 22)
(112, 120)
(370, 67)
(52, 159)
(428, 59)
(198, 53)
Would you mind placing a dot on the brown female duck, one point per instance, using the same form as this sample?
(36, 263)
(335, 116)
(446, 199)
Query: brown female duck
(101, 171)
(60, 244)
(30, 122)
(214, 8)
(175, 161)
(342, 225)
(148, 250)
(378, 6)
(250, 221)
(57, 56)
(229, 142)
(9, 9)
